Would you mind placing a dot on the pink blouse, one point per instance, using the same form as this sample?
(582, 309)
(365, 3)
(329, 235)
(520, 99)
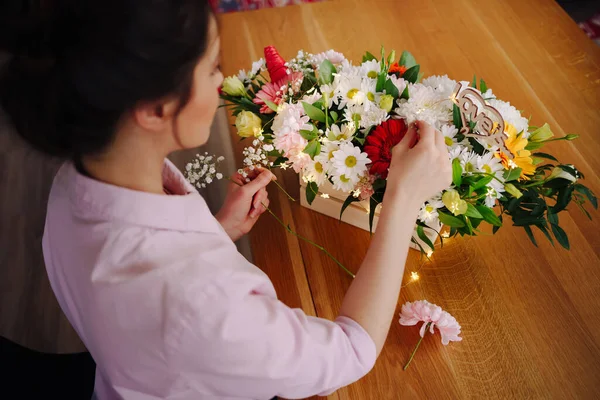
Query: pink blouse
(169, 309)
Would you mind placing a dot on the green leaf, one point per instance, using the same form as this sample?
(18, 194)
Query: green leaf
(313, 112)
(472, 212)
(483, 86)
(382, 55)
(334, 116)
(407, 59)
(545, 231)
(565, 194)
(391, 89)
(368, 57)
(311, 192)
(308, 135)
(349, 200)
(313, 148)
(451, 221)
(381, 78)
(482, 182)
(326, 71)
(474, 82)
(424, 238)
(534, 145)
(545, 155)
(512, 174)
(561, 236)
(530, 234)
(456, 119)
(405, 94)
(412, 74)
(489, 215)
(456, 172)
(553, 218)
(271, 105)
(373, 202)
(587, 193)
(495, 228)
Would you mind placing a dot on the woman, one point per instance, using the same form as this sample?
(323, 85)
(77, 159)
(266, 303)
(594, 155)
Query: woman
(149, 279)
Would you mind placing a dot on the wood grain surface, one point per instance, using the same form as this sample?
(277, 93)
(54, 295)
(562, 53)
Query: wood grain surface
(530, 316)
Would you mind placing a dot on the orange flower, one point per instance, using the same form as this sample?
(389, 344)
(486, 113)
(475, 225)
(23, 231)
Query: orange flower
(522, 158)
(397, 69)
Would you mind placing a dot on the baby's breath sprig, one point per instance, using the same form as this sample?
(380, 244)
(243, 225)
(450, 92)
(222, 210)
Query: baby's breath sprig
(202, 170)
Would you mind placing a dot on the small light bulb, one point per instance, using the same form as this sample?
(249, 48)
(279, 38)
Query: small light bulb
(429, 253)
(446, 235)
(414, 276)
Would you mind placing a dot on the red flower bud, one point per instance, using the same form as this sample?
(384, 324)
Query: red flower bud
(275, 64)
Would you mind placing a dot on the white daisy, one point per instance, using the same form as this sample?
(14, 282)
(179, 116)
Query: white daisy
(468, 162)
(349, 91)
(346, 132)
(489, 164)
(449, 132)
(370, 69)
(350, 161)
(368, 87)
(429, 211)
(373, 117)
(344, 183)
(315, 171)
(243, 76)
(511, 115)
(329, 91)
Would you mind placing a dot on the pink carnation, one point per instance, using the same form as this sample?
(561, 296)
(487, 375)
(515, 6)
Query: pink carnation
(422, 310)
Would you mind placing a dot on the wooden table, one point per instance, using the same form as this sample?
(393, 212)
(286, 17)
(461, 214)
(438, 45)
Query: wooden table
(530, 316)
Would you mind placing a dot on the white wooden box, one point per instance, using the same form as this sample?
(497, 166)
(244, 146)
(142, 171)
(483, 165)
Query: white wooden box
(356, 214)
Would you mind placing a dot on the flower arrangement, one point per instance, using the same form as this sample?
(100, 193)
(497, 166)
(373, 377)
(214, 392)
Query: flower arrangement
(335, 123)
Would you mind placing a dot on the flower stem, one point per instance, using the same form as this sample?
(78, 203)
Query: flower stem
(287, 228)
(416, 347)
(284, 192)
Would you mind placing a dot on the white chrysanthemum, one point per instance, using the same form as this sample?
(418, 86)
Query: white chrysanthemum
(345, 132)
(374, 116)
(424, 104)
(316, 172)
(488, 95)
(456, 152)
(344, 183)
(350, 160)
(333, 56)
(443, 85)
(429, 211)
(370, 69)
(511, 115)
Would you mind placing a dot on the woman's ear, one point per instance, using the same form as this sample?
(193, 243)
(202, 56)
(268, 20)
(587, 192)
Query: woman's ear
(155, 115)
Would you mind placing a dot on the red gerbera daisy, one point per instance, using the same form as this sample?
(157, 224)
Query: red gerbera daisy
(379, 144)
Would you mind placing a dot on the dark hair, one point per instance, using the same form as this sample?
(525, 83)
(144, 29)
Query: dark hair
(79, 66)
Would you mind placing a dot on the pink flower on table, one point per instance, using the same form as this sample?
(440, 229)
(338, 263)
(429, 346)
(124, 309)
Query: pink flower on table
(432, 316)
(274, 91)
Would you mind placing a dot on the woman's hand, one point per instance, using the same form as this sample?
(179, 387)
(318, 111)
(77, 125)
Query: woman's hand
(422, 169)
(245, 202)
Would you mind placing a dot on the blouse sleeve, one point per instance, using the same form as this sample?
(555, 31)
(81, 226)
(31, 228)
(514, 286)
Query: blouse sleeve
(236, 339)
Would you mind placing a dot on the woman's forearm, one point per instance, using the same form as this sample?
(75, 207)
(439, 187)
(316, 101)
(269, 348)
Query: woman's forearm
(371, 299)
